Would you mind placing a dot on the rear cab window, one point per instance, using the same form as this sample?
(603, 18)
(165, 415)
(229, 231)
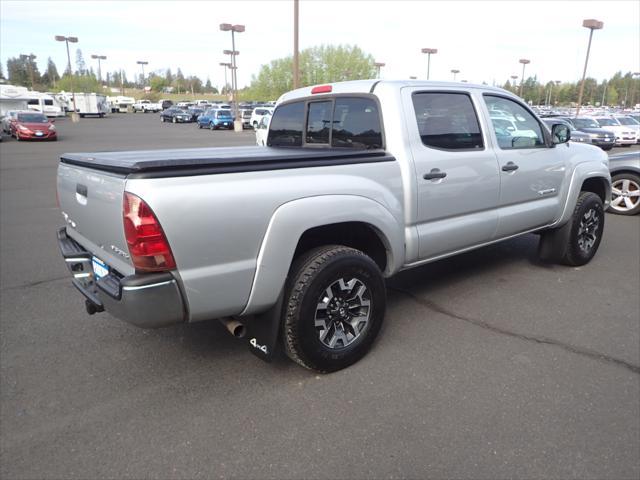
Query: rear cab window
(340, 122)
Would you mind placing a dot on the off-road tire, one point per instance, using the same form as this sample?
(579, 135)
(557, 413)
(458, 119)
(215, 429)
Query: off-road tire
(310, 275)
(562, 245)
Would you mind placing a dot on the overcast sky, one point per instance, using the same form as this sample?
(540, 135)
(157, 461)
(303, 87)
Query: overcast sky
(484, 40)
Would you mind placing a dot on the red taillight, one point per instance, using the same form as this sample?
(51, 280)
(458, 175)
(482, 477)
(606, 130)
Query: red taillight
(321, 89)
(148, 246)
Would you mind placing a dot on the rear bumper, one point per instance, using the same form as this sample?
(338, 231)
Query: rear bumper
(150, 300)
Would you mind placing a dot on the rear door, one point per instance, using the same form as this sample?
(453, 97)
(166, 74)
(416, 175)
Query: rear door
(532, 170)
(456, 173)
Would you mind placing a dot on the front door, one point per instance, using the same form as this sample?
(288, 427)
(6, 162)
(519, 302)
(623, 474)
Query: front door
(457, 178)
(531, 170)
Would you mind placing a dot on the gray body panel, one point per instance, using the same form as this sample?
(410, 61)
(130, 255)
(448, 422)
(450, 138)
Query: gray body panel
(233, 233)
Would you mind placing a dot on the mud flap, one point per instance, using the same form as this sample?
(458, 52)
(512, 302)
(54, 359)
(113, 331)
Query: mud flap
(554, 243)
(263, 331)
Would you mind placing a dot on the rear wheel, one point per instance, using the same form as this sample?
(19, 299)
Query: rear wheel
(607, 148)
(335, 302)
(625, 194)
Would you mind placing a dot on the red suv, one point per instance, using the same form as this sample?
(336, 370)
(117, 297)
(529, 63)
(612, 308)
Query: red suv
(33, 126)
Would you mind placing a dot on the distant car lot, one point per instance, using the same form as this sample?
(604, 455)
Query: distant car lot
(492, 365)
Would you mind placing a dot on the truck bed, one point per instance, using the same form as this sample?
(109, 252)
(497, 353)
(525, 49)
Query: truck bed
(206, 161)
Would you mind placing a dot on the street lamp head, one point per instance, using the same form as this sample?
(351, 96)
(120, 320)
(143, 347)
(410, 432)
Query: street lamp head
(524, 61)
(238, 28)
(99, 57)
(142, 62)
(429, 50)
(225, 27)
(225, 64)
(231, 52)
(379, 64)
(72, 39)
(412, 77)
(558, 82)
(514, 76)
(455, 70)
(60, 38)
(592, 24)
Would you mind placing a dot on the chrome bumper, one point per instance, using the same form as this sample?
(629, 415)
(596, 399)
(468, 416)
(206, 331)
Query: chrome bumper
(149, 300)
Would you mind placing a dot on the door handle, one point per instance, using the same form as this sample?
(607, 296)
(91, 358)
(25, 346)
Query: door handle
(510, 167)
(434, 174)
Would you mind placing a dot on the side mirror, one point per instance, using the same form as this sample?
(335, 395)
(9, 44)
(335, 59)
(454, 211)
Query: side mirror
(560, 133)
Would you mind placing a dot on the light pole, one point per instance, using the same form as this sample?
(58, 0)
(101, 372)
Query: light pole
(226, 27)
(30, 58)
(455, 72)
(296, 56)
(592, 25)
(429, 51)
(99, 57)
(225, 65)
(232, 54)
(557, 82)
(524, 63)
(633, 89)
(142, 63)
(378, 66)
(61, 38)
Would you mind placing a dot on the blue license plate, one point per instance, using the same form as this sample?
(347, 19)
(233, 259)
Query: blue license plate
(100, 269)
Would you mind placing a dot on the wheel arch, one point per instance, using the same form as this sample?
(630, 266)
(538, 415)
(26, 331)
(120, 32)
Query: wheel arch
(589, 176)
(300, 225)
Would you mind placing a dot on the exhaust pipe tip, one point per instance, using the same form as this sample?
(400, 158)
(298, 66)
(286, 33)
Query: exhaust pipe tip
(235, 328)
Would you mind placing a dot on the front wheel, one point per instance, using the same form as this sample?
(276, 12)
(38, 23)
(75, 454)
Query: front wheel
(577, 242)
(335, 301)
(625, 194)
(212, 126)
(607, 148)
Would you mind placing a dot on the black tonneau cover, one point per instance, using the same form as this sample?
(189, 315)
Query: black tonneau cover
(199, 161)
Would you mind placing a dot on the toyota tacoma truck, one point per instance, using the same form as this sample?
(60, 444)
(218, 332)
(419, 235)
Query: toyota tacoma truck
(290, 244)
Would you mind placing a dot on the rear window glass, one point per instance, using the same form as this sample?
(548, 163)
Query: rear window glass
(356, 124)
(319, 122)
(286, 126)
(447, 121)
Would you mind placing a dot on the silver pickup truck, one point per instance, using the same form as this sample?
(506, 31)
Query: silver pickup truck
(290, 244)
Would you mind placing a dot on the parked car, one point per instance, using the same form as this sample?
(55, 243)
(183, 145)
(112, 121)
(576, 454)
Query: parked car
(258, 113)
(175, 115)
(146, 106)
(206, 118)
(600, 137)
(245, 115)
(630, 122)
(294, 243)
(262, 130)
(625, 184)
(10, 116)
(221, 119)
(576, 135)
(625, 136)
(33, 126)
(195, 113)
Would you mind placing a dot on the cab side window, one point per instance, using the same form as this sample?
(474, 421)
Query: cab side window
(447, 121)
(514, 126)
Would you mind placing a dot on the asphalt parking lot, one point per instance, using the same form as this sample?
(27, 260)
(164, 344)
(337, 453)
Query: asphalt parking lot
(490, 364)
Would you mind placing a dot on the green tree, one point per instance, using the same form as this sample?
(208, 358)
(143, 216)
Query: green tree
(18, 71)
(1, 72)
(158, 83)
(322, 64)
(79, 83)
(80, 63)
(50, 76)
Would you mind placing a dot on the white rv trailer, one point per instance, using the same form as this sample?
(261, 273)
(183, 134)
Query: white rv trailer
(12, 98)
(45, 103)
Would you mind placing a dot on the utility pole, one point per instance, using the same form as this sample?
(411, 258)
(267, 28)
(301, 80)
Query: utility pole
(296, 55)
(592, 25)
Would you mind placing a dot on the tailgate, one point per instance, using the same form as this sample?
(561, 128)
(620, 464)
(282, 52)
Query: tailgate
(91, 204)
